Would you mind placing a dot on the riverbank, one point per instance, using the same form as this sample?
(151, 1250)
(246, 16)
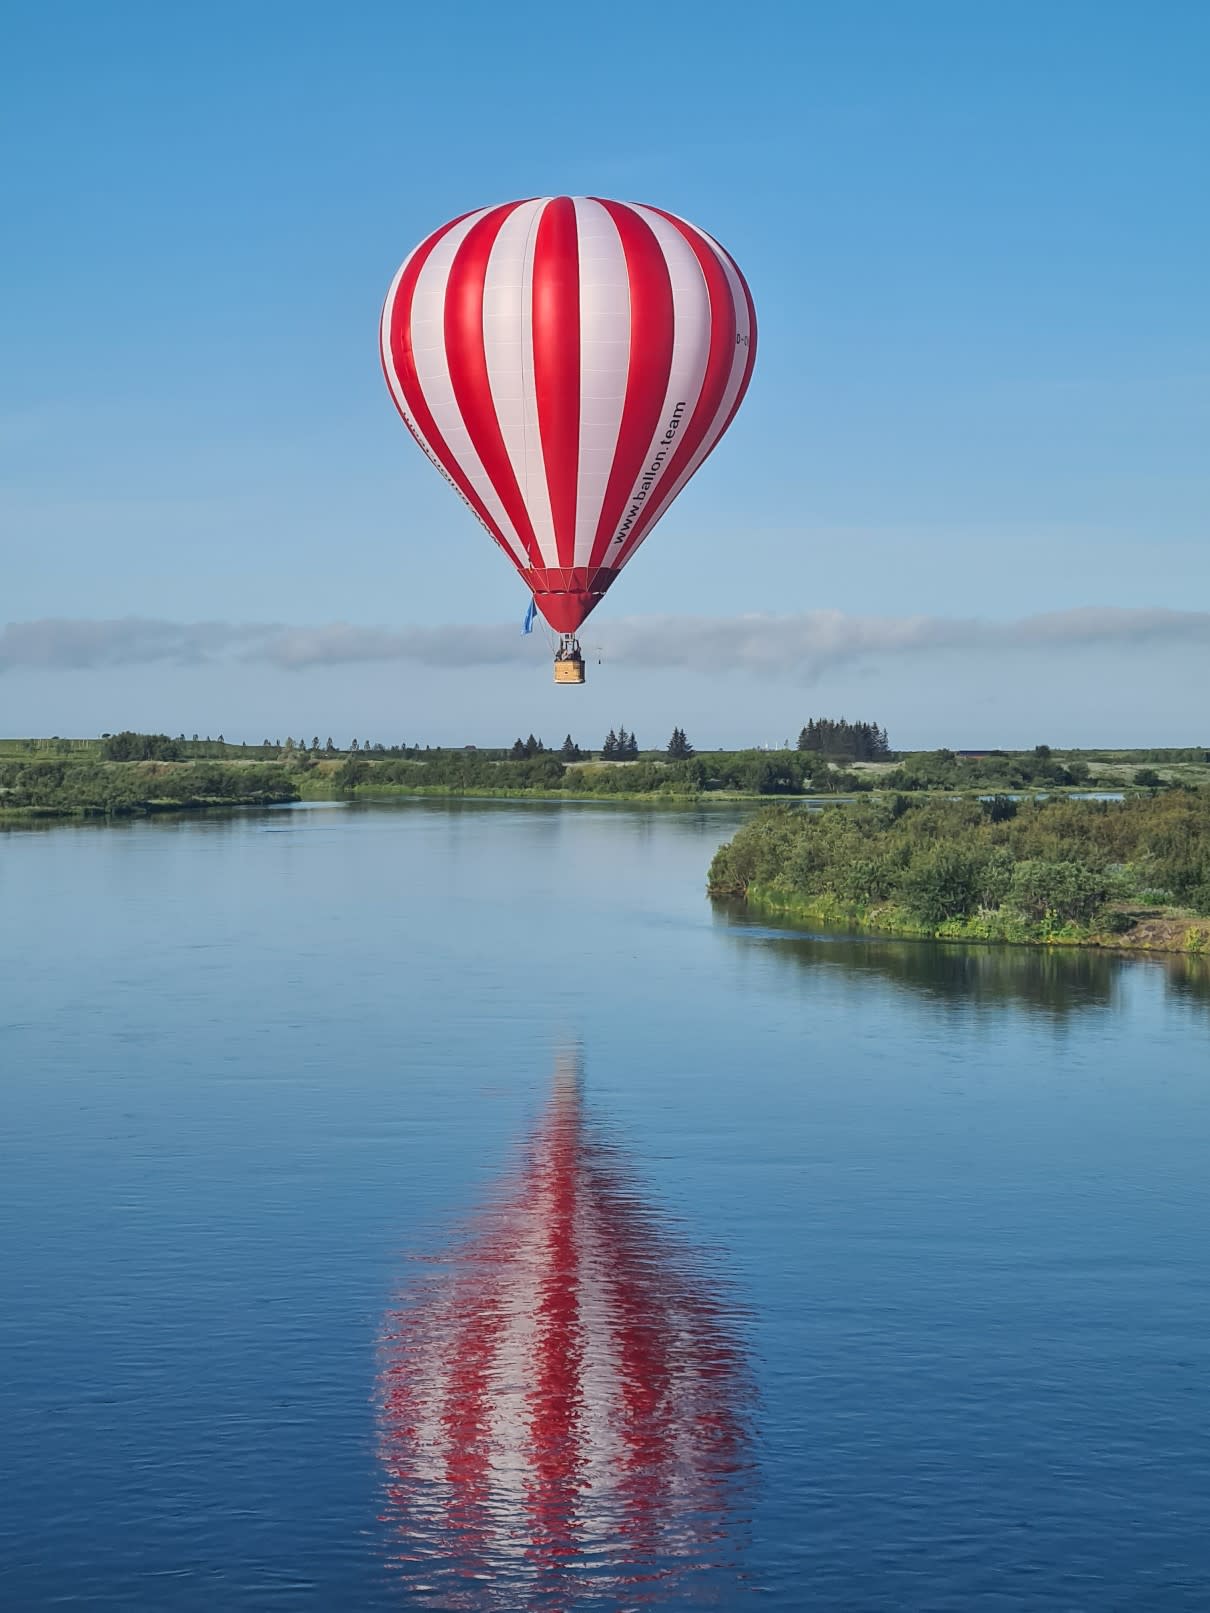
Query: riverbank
(1129, 875)
(1149, 931)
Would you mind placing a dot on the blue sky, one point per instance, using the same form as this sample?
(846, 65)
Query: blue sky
(977, 239)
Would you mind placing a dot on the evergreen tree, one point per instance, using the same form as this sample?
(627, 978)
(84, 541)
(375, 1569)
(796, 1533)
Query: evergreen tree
(841, 739)
(329, 747)
(532, 746)
(569, 751)
(354, 746)
(631, 748)
(609, 750)
(679, 748)
(315, 743)
(517, 754)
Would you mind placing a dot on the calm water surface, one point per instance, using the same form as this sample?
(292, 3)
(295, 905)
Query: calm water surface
(441, 1206)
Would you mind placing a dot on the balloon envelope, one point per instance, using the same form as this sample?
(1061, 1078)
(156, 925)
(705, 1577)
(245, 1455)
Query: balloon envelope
(568, 363)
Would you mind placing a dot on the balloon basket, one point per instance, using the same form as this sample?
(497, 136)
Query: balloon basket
(569, 663)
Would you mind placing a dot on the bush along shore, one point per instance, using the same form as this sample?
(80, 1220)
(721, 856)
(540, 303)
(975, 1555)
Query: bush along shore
(1128, 874)
(89, 788)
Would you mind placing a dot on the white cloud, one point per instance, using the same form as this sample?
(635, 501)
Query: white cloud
(800, 646)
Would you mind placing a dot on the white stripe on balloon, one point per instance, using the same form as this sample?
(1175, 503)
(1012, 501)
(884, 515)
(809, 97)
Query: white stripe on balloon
(604, 362)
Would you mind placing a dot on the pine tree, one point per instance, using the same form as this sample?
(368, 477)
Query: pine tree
(679, 748)
(329, 747)
(532, 746)
(517, 754)
(569, 751)
(632, 748)
(609, 749)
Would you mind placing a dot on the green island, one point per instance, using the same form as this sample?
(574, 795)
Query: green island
(1132, 873)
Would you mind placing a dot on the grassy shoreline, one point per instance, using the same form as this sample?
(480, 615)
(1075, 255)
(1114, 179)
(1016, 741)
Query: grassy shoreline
(370, 792)
(140, 809)
(320, 786)
(1151, 932)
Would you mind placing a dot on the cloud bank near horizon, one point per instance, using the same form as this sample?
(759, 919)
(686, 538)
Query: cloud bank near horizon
(803, 645)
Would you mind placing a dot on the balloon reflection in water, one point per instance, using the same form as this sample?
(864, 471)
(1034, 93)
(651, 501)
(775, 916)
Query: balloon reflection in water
(565, 1406)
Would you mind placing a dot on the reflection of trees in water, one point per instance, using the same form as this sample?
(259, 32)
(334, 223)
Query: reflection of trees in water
(1188, 979)
(565, 1404)
(1057, 981)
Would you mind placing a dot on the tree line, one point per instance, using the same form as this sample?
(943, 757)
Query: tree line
(845, 741)
(91, 787)
(997, 770)
(129, 746)
(538, 769)
(836, 739)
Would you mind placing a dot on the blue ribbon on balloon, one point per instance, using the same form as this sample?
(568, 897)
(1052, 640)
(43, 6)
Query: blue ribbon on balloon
(528, 624)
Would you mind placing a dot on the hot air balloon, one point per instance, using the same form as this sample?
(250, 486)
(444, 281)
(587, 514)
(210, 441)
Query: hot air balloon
(567, 363)
(565, 1401)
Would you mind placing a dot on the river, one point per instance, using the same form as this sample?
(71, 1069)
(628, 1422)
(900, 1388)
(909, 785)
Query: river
(441, 1205)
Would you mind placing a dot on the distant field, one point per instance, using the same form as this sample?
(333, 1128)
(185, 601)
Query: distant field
(21, 749)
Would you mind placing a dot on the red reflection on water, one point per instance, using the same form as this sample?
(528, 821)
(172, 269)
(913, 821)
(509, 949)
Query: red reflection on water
(564, 1407)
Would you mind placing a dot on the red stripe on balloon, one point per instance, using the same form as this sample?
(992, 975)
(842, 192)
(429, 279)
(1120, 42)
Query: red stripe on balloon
(404, 365)
(720, 361)
(466, 355)
(556, 335)
(651, 341)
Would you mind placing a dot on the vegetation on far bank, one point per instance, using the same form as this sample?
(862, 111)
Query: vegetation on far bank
(130, 772)
(1110, 873)
(89, 788)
